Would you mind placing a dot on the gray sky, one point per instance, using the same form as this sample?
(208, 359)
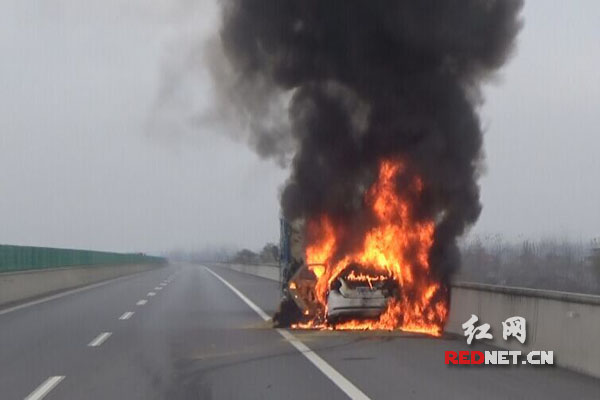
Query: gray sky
(89, 159)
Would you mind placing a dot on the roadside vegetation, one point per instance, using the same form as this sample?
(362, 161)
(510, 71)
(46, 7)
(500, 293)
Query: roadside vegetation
(554, 264)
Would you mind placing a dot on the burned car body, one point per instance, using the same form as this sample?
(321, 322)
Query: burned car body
(361, 301)
(356, 294)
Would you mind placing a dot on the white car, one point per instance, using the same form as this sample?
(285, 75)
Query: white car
(356, 299)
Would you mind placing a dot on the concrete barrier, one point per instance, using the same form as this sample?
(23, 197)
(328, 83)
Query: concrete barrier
(19, 286)
(264, 271)
(566, 323)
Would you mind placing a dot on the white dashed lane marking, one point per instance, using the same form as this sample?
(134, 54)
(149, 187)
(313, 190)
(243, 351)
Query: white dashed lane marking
(101, 338)
(126, 315)
(141, 302)
(45, 388)
(151, 294)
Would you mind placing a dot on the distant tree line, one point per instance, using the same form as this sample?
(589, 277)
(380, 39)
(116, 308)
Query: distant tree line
(268, 255)
(544, 264)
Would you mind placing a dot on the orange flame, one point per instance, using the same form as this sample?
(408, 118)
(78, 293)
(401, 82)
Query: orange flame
(397, 247)
(354, 277)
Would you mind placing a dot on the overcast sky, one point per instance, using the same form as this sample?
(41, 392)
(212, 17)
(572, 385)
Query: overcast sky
(89, 158)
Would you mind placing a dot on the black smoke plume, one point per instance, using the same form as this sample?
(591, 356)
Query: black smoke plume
(366, 80)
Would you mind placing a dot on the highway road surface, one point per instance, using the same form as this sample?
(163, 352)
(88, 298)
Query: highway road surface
(184, 332)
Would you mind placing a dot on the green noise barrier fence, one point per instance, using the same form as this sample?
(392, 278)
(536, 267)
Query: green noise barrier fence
(21, 258)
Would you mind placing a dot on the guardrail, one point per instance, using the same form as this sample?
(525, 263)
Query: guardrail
(563, 322)
(22, 258)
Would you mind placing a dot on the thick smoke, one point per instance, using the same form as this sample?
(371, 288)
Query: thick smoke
(368, 80)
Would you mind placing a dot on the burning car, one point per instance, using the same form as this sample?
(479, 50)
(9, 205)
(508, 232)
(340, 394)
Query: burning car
(355, 295)
(382, 281)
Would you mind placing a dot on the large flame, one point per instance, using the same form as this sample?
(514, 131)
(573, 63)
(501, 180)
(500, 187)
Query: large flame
(397, 246)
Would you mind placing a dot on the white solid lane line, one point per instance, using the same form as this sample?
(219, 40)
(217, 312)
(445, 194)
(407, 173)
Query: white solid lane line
(151, 294)
(126, 315)
(101, 338)
(338, 379)
(45, 388)
(141, 302)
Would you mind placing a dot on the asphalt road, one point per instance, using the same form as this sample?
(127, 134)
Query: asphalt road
(195, 338)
